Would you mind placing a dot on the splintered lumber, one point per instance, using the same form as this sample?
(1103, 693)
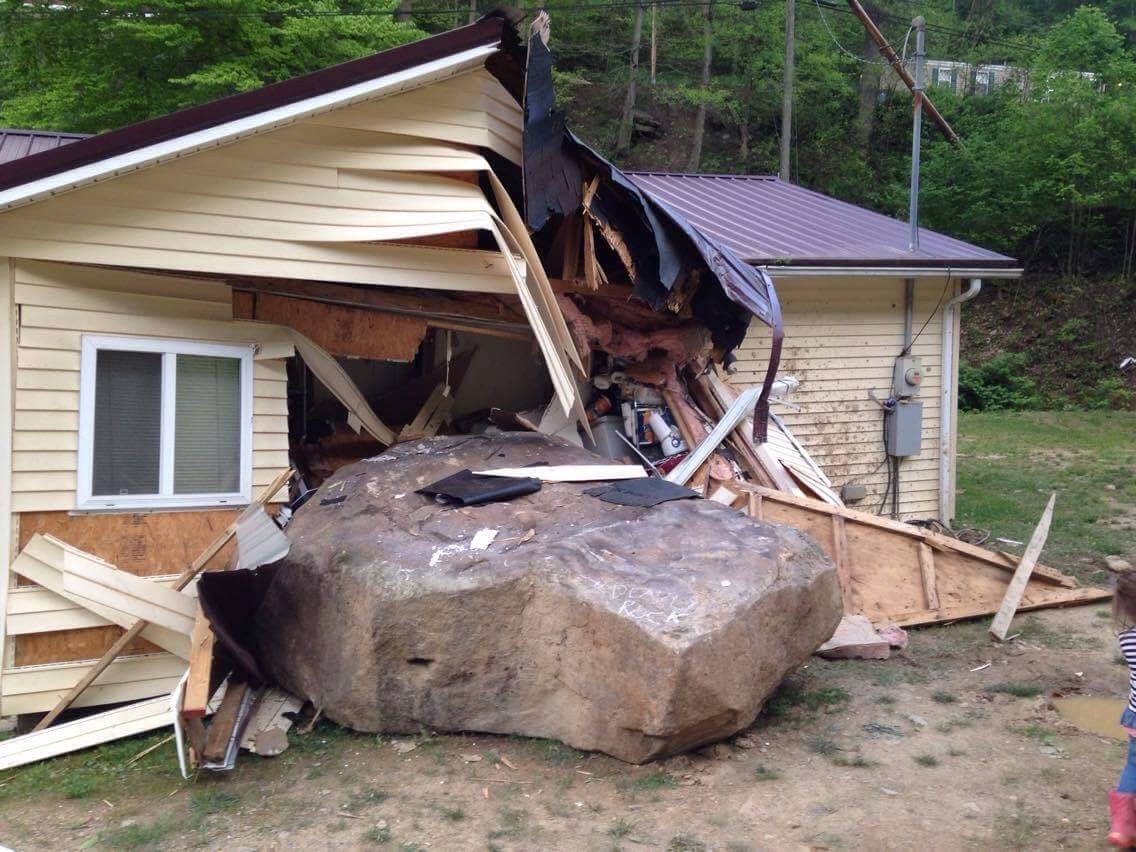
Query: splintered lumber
(195, 701)
(570, 472)
(431, 416)
(734, 415)
(1001, 624)
(183, 580)
(899, 573)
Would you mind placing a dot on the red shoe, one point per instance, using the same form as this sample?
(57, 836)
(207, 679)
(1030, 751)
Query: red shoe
(1122, 809)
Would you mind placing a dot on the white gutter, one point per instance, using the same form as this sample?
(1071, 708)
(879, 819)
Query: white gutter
(948, 406)
(886, 272)
(221, 134)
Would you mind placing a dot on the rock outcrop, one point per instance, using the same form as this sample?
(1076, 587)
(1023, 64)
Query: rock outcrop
(637, 632)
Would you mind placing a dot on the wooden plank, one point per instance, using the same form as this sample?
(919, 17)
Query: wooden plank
(697, 455)
(195, 702)
(843, 568)
(224, 722)
(755, 507)
(938, 542)
(430, 415)
(89, 731)
(927, 572)
(1054, 598)
(1001, 624)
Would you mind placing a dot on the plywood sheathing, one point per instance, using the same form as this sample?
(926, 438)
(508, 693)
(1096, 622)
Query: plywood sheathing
(144, 544)
(343, 331)
(895, 572)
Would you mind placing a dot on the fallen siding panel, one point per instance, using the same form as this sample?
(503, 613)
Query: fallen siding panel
(37, 689)
(99, 728)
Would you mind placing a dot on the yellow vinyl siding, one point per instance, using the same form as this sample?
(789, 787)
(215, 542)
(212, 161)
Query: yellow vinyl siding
(57, 305)
(841, 339)
(315, 200)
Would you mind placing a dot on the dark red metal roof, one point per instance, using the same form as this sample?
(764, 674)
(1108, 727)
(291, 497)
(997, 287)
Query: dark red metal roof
(768, 221)
(488, 31)
(16, 144)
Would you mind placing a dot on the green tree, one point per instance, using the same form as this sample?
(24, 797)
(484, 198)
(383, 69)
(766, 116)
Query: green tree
(93, 65)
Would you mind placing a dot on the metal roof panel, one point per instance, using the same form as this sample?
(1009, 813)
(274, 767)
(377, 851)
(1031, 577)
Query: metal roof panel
(769, 221)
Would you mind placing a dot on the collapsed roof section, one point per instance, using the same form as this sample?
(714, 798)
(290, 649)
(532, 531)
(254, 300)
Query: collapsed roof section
(671, 265)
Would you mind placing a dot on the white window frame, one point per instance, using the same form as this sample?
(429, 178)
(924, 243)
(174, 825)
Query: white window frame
(165, 498)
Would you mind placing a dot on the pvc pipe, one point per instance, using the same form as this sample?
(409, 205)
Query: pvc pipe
(947, 411)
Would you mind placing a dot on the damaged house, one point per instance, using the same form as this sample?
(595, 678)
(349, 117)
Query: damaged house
(300, 277)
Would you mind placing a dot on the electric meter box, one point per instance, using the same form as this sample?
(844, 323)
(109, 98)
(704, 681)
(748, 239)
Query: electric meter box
(905, 429)
(908, 376)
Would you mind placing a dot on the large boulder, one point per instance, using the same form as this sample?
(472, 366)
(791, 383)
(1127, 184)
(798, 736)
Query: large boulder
(639, 632)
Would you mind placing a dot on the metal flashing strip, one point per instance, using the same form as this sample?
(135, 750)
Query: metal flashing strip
(887, 272)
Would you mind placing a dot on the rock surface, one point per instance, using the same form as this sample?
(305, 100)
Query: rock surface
(637, 632)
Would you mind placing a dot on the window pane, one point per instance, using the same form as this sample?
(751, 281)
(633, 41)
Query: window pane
(207, 442)
(128, 423)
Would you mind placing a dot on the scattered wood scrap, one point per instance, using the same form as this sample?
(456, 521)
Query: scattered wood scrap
(898, 573)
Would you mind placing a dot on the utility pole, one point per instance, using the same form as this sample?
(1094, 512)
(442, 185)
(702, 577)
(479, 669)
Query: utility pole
(787, 89)
(920, 26)
(654, 40)
(894, 61)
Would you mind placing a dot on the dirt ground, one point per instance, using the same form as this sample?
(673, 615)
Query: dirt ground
(919, 751)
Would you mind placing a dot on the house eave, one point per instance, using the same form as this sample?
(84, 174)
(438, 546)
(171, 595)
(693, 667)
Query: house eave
(988, 273)
(231, 131)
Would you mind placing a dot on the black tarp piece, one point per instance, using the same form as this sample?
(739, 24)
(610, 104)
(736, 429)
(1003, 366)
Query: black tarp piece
(662, 250)
(465, 488)
(229, 600)
(641, 492)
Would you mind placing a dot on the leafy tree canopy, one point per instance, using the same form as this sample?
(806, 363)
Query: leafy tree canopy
(94, 65)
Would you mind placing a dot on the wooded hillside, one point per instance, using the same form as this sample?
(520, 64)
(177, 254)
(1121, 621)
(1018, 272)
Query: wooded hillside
(1046, 170)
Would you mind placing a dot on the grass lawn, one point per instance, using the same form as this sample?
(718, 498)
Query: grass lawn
(1009, 462)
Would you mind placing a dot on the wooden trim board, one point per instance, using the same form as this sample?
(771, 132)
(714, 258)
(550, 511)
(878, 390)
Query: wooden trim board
(899, 573)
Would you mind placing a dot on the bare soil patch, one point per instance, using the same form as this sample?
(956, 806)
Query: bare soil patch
(915, 752)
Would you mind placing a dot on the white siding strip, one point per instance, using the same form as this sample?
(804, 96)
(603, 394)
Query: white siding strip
(86, 732)
(36, 689)
(42, 562)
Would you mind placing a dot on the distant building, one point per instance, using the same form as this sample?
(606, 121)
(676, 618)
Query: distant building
(963, 78)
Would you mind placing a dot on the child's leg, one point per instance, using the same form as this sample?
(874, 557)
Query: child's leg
(1127, 782)
(1122, 803)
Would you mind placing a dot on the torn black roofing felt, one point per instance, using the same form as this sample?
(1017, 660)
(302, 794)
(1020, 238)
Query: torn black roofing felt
(661, 246)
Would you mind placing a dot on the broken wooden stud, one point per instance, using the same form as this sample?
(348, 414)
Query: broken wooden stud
(195, 702)
(1001, 624)
(927, 573)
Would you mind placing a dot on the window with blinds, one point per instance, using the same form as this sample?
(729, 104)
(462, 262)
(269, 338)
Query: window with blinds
(164, 423)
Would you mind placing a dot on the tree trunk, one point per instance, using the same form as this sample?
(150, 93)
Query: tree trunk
(869, 93)
(472, 11)
(403, 11)
(627, 120)
(700, 117)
